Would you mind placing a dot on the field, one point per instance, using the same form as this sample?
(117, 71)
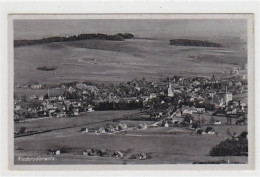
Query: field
(55, 123)
(182, 147)
(37, 92)
(118, 61)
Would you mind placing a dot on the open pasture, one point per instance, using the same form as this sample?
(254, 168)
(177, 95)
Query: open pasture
(56, 123)
(116, 61)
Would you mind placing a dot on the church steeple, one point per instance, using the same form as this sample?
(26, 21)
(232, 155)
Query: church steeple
(213, 77)
(170, 93)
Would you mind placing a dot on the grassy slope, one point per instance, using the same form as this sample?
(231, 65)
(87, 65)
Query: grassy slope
(117, 61)
(180, 148)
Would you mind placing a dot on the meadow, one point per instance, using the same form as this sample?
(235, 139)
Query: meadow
(117, 61)
(165, 145)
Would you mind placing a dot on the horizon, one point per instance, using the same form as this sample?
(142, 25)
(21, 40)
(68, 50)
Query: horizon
(205, 29)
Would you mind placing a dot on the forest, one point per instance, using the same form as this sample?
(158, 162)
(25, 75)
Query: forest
(98, 36)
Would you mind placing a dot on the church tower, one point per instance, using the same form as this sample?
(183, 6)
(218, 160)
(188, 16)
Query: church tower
(170, 93)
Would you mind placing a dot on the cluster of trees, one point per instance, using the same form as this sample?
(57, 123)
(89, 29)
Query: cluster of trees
(47, 68)
(231, 147)
(114, 37)
(118, 106)
(189, 42)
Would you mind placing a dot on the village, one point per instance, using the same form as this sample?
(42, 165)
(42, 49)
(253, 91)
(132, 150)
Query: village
(176, 105)
(163, 101)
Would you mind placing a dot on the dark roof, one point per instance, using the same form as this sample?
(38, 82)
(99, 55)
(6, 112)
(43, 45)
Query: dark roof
(209, 129)
(243, 135)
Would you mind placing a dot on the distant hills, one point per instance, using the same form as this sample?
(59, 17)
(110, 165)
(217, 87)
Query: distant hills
(114, 37)
(189, 42)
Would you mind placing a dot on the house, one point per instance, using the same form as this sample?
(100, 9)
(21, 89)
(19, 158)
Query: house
(33, 97)
(90, 108)
(200, 110)
(17, 107)
(118, 154)
(71, 89)
(200, 132)
(142, 156)
(36, 86)
(84, 130)
(138, 89)
(87, 151)
(41, 98)
(76, 112)
(55, 152)
(109, 129)
(102, 152)
(17, 86)
(24, 86)
(243, 135)
(142, 126)
(53, 98)
(152, 95)
(210, 130)
(165, 124)
(101, 130)
(145, 98)
(122, 126)
(178, 112)
(92, 130)
(81, 86)
(217, 122)
(61, 114)
(60, 98)
(188, 110)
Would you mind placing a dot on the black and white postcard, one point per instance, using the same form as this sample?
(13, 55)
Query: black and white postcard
(132, 89)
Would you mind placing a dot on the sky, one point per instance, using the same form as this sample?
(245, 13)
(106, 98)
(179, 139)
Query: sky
(143, 28)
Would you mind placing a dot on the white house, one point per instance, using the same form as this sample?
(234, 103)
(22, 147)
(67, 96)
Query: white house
(36, 86)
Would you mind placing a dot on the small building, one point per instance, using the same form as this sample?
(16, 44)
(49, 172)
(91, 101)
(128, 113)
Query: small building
(92, 130)
(200, 110)
(142, 126)
(118, 154)
(101, 130)
(210, 130)
(81, 86)
(90, 108)
(17, 107)
(41, 98)
(71, 89)
(217, 122)
(84, 130)
(55, 151)
(200, 132)
(243, 135)
(36, 86)
(33, 97)
(165, 124)
(152, 95)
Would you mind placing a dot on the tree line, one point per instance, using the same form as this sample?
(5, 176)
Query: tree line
(189, 42)
(98, 36)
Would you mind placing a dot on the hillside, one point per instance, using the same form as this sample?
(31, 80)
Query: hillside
(117, 61)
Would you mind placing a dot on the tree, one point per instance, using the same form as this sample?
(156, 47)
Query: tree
(212, 120)
(15, 96)
(46, 96)
(24, 98)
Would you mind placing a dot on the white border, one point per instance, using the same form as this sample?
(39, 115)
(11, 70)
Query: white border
(154, 7)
